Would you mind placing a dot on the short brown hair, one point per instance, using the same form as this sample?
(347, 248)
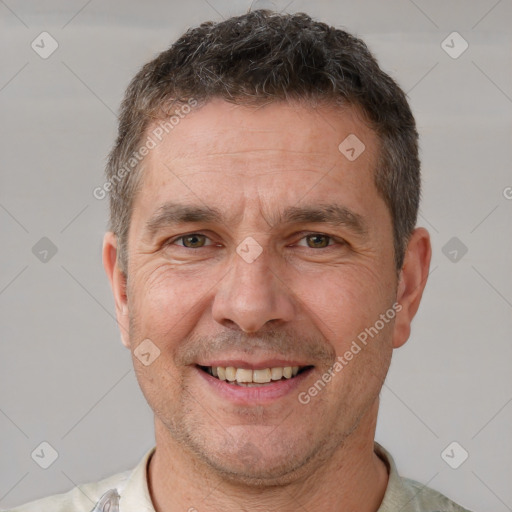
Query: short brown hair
(260, 57)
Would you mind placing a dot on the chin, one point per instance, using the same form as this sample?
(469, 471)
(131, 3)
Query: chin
(263, 474)
(249, 463)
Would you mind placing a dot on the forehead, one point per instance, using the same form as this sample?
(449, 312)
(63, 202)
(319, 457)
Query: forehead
(222, 129)
(225, 156)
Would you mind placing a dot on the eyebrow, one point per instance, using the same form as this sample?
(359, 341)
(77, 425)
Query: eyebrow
(332, 214)
(172, 214)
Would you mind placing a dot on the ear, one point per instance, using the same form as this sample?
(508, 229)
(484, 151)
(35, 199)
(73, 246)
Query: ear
(117, 280)
(412, 280)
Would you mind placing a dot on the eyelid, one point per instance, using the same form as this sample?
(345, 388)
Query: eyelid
(313, 233)
(303, 234)
(336, 240)
(171, 241)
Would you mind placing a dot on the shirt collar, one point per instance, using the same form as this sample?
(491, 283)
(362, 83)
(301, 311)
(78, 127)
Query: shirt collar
(398, 496)
(134, 492)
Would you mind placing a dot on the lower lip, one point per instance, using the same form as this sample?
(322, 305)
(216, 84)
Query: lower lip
(265, 393)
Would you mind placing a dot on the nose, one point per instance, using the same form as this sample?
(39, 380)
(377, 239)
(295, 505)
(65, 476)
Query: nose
(253, 294)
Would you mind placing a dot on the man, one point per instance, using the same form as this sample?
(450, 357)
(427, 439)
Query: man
(264, 262)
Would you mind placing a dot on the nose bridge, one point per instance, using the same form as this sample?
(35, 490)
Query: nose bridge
(251, 294)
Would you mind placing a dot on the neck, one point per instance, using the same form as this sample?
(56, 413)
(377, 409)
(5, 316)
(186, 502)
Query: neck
(353, 478)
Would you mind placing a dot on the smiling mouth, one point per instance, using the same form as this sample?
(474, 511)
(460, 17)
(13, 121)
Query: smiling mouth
(250, 378)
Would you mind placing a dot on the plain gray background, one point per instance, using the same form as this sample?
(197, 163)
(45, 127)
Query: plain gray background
(66, 378)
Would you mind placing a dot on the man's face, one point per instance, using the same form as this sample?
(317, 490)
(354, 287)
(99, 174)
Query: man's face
(211, 298)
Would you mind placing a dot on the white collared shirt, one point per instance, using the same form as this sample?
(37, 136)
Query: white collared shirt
(402, 494)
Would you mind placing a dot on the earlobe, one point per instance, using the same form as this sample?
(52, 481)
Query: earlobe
(117, 280)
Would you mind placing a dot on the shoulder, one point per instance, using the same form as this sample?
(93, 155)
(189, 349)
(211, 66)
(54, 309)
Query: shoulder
(408, 495)
(426, 498)
(81, 498)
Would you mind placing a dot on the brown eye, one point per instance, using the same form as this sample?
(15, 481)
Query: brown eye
(193, 241)
(318, 241)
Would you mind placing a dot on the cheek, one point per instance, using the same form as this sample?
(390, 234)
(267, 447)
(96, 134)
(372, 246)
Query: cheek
(345, 306)
(158, 309)
(344, 301)
(164, 301)
(162, 386)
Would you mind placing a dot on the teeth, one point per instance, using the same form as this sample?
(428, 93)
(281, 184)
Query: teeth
(230, 373)
(247, 377)
(243, 375)
(276, 373)
(262, 376)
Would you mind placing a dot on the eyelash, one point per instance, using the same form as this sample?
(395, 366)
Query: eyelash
(335, 240)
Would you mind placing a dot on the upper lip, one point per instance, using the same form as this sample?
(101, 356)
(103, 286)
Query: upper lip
(254, 365)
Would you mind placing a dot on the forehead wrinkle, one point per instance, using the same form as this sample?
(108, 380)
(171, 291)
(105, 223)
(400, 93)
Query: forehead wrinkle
(182, 158)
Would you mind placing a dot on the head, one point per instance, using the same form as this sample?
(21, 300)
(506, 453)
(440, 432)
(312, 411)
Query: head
(270, 220)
